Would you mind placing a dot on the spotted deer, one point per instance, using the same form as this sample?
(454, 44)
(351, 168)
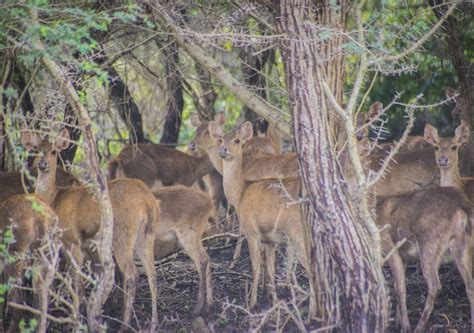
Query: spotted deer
(265, 210)
(136, 216)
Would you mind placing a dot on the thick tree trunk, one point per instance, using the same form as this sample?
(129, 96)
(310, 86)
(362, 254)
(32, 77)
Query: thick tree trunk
(346, 260)
(175, 102)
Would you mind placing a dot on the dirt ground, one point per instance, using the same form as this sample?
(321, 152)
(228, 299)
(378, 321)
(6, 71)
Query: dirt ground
(177, 283)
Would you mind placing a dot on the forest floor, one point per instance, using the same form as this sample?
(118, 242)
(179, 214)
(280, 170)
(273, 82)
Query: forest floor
(178, 285)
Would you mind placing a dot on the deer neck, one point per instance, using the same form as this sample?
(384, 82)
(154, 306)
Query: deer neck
(233, 181)
(451, 177)
(215, 159)
(202, 165)
(46, 185)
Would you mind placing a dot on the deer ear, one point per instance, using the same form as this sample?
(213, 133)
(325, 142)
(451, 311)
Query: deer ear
(431, 135)
(195, 121)
(220, 118)
(462, 133)
(215, 130)
(246, 130)
(375, 110)
(62, 141)
(30, 140)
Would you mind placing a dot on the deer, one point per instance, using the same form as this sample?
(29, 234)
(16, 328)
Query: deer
(136, 216)
(432, 223)
(158, 165)
(447, 158)
(266, 215)
(412, 142)
(185, 216)
(261, 158)
(29, 218)
(14, 182)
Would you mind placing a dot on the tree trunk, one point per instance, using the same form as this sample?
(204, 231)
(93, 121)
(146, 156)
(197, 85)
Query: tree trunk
(126, 106)
(175, 102)
(346, 260)
(254, 78)
(464, 68)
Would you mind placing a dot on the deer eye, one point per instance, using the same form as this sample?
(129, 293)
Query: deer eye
(236, 141)
(453, 148)
(219, 140)
(54, 152)
(436, 148)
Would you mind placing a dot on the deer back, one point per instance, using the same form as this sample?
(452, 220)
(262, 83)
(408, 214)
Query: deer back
(423, 217)
(411, 170)
(158, 166)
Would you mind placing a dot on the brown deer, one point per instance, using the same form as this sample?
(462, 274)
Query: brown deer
(11, 183)
(259, 156)
(29, 219)
(159, 166)
(413, 142)
(185, 216)
(136, 214)
(266, 214)
(432, 222)
(447, 158)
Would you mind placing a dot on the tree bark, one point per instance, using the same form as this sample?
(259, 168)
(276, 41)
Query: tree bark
(346, 259)
(175, 101)
(254, 78)
(464, 68)
(126, 106)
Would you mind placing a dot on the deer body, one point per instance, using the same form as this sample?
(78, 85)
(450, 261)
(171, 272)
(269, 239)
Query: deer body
(136, 214)
(265, 214)
(159, 166)
(433, 222)
(411, 171)
(30, 219)
(185, 216)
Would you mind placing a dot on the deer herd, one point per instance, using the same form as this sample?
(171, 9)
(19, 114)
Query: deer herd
(423, 208)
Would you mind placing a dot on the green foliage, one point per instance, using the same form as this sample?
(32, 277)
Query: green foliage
(29, 327)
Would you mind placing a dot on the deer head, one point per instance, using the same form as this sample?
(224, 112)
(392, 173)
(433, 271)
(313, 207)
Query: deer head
(446, 149)
(45, 148)
(230, 144)
(203, 140)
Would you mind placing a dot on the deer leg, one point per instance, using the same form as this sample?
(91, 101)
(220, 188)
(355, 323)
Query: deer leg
(147, 257)
(463, 258)
(398, 271)
(191, 243)
(429, 268)
(269, 251)
(127, 266)
(14, 295)
(299, 250)
(290, 262)
(255, 250)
